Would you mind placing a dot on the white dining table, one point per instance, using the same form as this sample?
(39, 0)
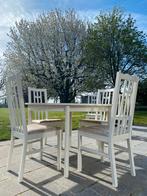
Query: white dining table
(67, 108)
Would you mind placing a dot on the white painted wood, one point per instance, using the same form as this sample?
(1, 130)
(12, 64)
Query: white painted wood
(41, 148)
(67, 141)
(59, 138)
(113, 164)
(19, 129)
(79, 153)
(39, 96)
(72, 107)
(70, 133)
(10, 152)
(101, 149)
(36, 95)
(131, 158)
(22, 163)
(120, 121)
(92, 99)
(103, 96)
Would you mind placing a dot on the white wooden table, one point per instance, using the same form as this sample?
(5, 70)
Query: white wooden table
(67, 108)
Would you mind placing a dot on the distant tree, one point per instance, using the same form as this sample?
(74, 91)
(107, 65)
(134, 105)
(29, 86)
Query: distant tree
(1, 75)
(114, 43)
(49, 53)
(142, 93)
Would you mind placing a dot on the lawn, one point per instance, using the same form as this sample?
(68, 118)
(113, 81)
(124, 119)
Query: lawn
(5, 126)
(139, 119)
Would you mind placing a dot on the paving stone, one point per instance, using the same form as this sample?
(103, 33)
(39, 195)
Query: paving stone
(141, 149)
(42, 177)
(32, 192)
(88, 192)
(11, 187)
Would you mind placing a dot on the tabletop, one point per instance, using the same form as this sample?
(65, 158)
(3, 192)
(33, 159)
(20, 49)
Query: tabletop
(73, 106)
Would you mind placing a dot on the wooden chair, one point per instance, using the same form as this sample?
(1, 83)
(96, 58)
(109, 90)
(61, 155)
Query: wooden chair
(92, 99)
(19, 129)
(120, 124)
(36, 95)
(104, 96)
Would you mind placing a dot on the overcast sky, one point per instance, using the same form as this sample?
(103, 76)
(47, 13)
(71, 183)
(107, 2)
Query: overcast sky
(14, 10)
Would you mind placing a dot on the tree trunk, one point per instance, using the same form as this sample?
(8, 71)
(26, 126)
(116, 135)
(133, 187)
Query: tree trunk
(67, 97)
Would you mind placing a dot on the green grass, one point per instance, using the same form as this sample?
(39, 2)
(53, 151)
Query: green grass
(5, 126)
(139, 119)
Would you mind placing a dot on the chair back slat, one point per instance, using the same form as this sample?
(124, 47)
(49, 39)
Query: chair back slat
(38, 96)
(16, 104)
(123, 103)
(92, 98)
(104, 96)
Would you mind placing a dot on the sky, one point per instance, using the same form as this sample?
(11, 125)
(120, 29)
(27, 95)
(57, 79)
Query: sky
(14, 10)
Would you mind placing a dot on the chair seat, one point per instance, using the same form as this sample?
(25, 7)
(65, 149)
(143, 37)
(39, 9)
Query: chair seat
(92, 122)
(46, 120)
(57, 123)
(90, 116)
(102, 130)
(37, 128)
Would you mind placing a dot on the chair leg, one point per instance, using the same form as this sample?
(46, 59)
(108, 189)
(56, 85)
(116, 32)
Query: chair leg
(101, 149)
(45, 141)
(10, 152)
(30, 149)
(79, 153)
(22, 164)
(41, 148)
(129, 143)
(62, 138)
(59, 138)
(70, 138)
(113, 165)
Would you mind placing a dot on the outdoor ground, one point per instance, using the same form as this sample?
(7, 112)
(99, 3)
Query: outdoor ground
(139, 119)
(42, 178)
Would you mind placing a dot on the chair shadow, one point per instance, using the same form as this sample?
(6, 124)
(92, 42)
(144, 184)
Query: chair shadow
(100, 176)
(38, 187)
(128, 185)
(140, 138)
(102, 183)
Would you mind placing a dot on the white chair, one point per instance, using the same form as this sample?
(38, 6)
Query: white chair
(19, 129)
(92, 99)
(36, 95)
(103, 96)
(120, 124)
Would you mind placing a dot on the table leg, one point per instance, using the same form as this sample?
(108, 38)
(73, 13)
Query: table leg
(70, 134)
(29, 122)
(109, 116)
(67, 141)
(29, 116)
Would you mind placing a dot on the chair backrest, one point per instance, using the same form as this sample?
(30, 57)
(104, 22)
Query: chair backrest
(36, 95)
(16, 105)
(123, 104)
(92, 98)
(105, 96)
